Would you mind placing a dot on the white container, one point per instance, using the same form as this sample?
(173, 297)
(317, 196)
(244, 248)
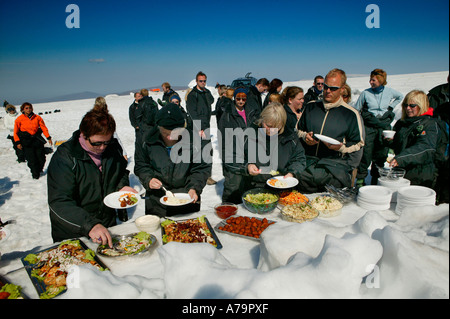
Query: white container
(388, 134)
(148, 223)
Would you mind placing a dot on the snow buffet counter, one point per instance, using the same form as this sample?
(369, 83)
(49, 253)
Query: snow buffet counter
(375, 246)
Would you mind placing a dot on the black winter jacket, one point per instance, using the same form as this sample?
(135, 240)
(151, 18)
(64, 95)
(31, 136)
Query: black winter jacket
(198, 105)
(414, 146)
(76, 188)
(186, 171)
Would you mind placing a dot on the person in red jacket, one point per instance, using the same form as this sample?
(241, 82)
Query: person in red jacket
(28, 128)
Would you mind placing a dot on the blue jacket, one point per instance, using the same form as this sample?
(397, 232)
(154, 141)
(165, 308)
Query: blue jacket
(379, 100)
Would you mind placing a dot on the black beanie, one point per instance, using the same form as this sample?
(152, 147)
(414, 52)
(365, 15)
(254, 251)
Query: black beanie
(170, 117)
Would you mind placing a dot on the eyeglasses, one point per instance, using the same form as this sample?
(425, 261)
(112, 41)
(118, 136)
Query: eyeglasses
(106, 143)
(332, 88)
(410, 105)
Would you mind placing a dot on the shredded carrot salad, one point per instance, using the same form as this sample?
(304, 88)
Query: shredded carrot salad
(292, 197)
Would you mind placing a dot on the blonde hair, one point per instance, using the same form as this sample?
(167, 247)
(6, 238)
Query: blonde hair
(229, 93)
(274, 115)
(416, 97)
(275, 97)
(144, 92)
(348, 92)
(100, 104)
(335, 72)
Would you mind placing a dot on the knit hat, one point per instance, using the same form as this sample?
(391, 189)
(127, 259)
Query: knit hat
(240, 90)
(170, 117)
(174, 97)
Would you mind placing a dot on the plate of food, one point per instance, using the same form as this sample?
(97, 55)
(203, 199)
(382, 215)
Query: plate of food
(128, 245)
(48, 269)
(246, 227)
(179, 199)
(299, 213)
(327, 206)
(121, 200)
(10, 291)
(281, 182)
(292, 197)
(195, 230)
(327, 139)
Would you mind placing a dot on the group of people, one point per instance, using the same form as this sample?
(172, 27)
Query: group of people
(263, 129)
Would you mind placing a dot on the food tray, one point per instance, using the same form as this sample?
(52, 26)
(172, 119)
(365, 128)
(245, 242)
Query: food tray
(40, 286)
(213, 234)
(224, 222)
(4, 281)
(121, 237)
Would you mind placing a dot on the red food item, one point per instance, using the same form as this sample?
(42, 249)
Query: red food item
(4, 295)
(225, 211)
(246, 226)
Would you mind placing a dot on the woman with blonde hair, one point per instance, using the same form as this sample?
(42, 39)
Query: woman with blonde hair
(290, 157)
(415, 140)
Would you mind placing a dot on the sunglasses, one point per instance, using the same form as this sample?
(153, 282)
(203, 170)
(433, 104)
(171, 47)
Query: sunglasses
(202, 81)
(321, 83)
(332, 88)
(411, 105)
(106, 143)
(241, 99)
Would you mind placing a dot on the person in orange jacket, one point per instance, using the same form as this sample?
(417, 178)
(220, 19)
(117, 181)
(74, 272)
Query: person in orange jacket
(28, 128)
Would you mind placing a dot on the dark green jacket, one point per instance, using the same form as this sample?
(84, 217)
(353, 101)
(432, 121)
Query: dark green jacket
(414, 146)
(179, 172)
(76, 188)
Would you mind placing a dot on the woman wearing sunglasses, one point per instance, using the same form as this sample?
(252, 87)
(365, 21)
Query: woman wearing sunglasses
(415, 140)
(376, 105)
(235, 116)
(81, 173)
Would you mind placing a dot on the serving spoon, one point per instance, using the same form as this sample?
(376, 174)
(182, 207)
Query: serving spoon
(168, 193)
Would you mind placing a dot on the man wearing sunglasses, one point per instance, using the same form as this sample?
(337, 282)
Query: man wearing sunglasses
(316, 91)
(330, 163)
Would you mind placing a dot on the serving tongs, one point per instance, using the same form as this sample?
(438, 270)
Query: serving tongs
(346, 194)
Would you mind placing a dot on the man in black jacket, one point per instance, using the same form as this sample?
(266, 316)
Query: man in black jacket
(254, 98)
(330, 163)
(315, 92)
(165, 159)
(135, 115)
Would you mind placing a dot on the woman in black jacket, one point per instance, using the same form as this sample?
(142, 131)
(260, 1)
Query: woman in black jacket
(287, 157)
(415, 140)
(232, 126)
(81, 173)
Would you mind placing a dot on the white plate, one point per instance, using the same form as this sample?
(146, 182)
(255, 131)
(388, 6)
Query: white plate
(290, 182)
(416, 192)
(374, 191)
(327, 139)
(112, 200)
(178, 196)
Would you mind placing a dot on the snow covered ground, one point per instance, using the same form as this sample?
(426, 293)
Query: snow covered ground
(320, 259)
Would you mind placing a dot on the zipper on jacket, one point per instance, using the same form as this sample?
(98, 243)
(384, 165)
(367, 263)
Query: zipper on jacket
(321, 130)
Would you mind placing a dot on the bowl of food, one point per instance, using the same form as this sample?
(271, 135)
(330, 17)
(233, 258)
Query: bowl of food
(260, 200)
(327, 206)
(292, 197)
(299, 213)
(225, 210)
(388, 134)
(392, 173)
(148, 223)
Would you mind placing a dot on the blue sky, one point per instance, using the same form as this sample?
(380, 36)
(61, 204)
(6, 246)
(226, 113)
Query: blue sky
(145, 43)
